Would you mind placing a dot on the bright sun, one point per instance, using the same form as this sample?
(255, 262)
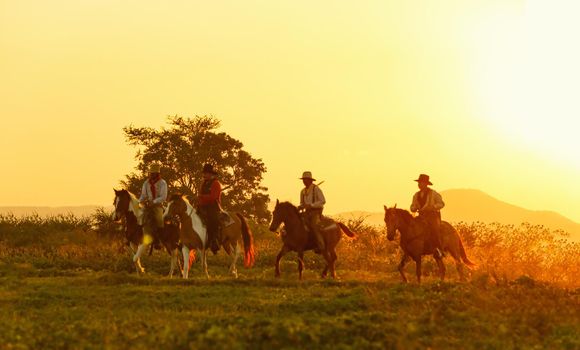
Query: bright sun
(529, 77)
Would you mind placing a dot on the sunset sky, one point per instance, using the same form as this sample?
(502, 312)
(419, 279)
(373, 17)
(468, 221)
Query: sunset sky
(366, 94)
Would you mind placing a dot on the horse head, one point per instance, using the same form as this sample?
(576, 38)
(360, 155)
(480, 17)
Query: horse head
(392, 221)
(277, 217)
(177, 206)
(121, 203)
(282, 212)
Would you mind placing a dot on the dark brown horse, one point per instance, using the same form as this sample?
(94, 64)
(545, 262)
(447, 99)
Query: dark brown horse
(297, 239)
(416, 242)
(128, 210)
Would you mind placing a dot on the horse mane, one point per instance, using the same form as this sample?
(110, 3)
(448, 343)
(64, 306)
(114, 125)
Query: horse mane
(405, 214)
(175, 197)
(133, 201)
(290, 206)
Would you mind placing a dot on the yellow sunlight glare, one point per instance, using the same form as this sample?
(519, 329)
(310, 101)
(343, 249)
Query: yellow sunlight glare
(529, 77)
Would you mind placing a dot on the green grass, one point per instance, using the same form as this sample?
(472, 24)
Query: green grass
(88, 309)
(77, 290)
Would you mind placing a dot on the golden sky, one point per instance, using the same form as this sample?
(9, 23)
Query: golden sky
(366, 94)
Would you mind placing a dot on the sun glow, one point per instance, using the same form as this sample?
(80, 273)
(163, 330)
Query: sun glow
(529, 77)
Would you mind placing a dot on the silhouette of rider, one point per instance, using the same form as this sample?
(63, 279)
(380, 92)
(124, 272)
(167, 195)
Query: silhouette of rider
(209, 204)
(153, 196)
(429, 204)
(312, 201)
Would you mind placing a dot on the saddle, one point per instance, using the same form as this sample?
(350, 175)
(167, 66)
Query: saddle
(325, 224)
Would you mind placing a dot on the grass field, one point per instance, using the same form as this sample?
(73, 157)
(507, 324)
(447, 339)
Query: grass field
(75, 289)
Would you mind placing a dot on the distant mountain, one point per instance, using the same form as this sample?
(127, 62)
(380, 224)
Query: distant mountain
(84, 210)
(474, 205)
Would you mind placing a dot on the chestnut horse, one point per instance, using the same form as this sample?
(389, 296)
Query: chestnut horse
(193, 235)
(415, 241)
(297, 239)
(127, 207)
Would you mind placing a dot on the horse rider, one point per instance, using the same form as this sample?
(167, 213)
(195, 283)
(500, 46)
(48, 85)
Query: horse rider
(209, 204)
(312, 202)
(153, 196)
(429, 204)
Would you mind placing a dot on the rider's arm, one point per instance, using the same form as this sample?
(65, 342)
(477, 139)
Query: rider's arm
(415, 205)
(320, 200)
(213, 196)
(162, 195)
(143, 197)
(438, 203)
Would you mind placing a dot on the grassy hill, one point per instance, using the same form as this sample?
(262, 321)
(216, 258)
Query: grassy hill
(65, 287)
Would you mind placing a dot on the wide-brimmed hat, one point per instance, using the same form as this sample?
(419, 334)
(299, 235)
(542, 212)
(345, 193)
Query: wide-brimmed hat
(307, 175)
(154, 168)
(208, 169)
(424, 178)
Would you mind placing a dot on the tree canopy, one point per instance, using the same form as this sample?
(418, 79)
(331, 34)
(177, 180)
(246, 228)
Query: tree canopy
(184, 146)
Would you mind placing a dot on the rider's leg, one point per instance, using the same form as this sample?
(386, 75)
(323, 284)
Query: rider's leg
(435, 227)
(213, 227)
(159, 225)
(315, 227)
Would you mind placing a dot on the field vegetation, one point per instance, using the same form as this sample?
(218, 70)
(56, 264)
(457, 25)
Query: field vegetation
(68, 282)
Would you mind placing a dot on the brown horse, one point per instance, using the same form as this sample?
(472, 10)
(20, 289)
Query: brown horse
(193, 235)
(127, 208)
(298, 239)
(415, 241)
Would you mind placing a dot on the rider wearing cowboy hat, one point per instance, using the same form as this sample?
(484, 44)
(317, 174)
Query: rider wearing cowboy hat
(429, 203)
(209, 203)
(153, 195)
(312, 201)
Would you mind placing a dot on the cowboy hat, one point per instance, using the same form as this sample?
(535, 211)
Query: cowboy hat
(155, 168)
(424, 178)
(208, 169)
(307, 175)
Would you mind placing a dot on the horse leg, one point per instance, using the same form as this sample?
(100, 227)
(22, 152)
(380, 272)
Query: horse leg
(173, 255)
(204, 262)
(137, 258)
(441, 266)
(300, 264)
(233, 268)
(325, 271)
(132, 248)
(333, 263)
(418, 269)
(402, 267)
(282, 252)
(185, 252)
(458, 264)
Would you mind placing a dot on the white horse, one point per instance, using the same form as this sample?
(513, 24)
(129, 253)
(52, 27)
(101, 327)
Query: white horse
(127, 206)
(193, 235)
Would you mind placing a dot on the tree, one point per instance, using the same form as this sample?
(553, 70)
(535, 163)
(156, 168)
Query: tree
(184, 147)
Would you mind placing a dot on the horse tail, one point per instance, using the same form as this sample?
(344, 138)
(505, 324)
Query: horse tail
(463, 253)
(249, 253)
(346, 230)
(192, 257)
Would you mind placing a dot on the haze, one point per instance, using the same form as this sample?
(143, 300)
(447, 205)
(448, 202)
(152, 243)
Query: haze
(367, 94)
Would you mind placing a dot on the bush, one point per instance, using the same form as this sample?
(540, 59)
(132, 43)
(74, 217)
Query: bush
(507, 252)
(502, 252)
(104, 225)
